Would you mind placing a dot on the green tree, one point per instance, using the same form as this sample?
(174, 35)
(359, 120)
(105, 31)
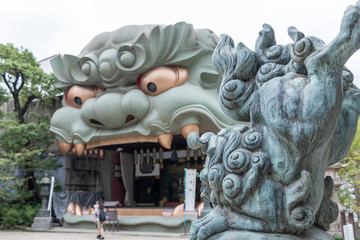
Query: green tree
(23, 144)
(23, 151)
(24, 80)
(22, 156)
(351, 174)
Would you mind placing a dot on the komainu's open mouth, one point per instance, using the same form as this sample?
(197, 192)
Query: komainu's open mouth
(164, 140)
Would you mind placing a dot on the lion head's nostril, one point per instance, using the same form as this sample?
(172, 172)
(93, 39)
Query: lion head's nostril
(96, 122)
(129, 118)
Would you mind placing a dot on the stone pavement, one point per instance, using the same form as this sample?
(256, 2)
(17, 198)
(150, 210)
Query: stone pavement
(59, 233)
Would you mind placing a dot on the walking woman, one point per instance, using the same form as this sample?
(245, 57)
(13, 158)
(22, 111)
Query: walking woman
(102, 219)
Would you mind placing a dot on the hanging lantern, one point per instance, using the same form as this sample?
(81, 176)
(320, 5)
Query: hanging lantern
(135, 157)
(146, 165)
(147, 156)
(161, 158)
(161, 155)
(154, 156)
(195, 155)
(141, 156)
(187, 154)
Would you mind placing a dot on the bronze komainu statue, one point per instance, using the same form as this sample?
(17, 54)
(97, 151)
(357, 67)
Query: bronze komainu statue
(266, 180)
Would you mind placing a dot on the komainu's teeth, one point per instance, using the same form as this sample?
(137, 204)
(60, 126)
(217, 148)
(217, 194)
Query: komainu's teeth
(165, 140)
(64, 147)
(186, 130)
(79, 148)
(101, 154)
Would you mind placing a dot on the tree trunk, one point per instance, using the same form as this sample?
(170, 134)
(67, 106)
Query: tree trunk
(31, 185)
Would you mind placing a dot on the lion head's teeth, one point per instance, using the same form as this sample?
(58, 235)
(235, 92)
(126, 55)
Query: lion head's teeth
(165, 140)
(79, 148)
(186, 130)
(64, 147)
(101, 154)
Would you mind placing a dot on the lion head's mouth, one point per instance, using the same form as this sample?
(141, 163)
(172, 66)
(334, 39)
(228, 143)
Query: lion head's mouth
(165, 140)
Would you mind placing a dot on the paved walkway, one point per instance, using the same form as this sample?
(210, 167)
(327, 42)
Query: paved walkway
(59, 233)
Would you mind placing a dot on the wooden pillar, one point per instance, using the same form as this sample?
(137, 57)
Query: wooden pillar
(343, 222)
(351, 220)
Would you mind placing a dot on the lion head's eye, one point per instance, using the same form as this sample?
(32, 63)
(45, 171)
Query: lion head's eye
(77, 95)
(78, 101)
(152, 87)
(161, 79)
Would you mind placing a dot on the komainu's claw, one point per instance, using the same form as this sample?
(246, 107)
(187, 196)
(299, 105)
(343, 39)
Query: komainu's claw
(214, 222)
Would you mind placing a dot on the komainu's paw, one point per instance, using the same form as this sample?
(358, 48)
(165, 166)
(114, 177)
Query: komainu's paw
(350, 24)
(346, 43)
(214, 222)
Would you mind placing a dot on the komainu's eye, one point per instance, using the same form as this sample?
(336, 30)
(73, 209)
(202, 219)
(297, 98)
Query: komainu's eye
(161, 79)
(77, 95)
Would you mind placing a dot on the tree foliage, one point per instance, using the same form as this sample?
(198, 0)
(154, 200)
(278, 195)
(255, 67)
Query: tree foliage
(24, 80)
(23, 144)
(351, 174)
(22, 156)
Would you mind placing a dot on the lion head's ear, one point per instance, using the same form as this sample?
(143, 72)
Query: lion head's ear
(70, 70)
(61, 66)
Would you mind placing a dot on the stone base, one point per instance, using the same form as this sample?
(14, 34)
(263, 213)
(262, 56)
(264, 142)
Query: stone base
(335, 229)
(312, 233)
(41, 223)
(42, 213)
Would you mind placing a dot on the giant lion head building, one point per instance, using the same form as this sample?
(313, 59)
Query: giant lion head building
(139, 90)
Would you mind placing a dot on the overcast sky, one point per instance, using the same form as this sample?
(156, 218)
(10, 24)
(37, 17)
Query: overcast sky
(48, 27)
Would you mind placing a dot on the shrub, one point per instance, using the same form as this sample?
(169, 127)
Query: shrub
(29, 213)
(18, 214)
(3, 208)
(12, 217)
